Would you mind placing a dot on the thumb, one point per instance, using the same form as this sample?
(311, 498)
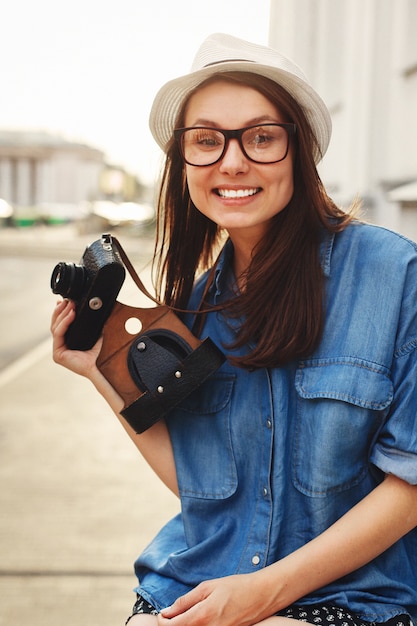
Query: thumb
(181, 604)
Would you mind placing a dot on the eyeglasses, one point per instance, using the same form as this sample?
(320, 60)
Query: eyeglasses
(266, 143)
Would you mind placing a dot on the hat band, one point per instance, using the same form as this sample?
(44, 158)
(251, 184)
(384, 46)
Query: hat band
(229, 61)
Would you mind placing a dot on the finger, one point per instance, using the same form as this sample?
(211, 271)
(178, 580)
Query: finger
(59, 329)
(182, 604)
(167, 612)
(63, 313)
(59, 307)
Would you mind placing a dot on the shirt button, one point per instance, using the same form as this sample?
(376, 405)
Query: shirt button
(268, 423)
(256, 559)
(265, 491)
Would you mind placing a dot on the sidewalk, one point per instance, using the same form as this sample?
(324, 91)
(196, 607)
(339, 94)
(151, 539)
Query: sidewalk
(77, 502)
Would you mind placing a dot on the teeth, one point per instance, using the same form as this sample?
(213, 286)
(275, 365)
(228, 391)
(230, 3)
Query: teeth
(236, 193)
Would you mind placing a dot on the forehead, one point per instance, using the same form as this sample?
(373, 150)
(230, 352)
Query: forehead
(223, 102)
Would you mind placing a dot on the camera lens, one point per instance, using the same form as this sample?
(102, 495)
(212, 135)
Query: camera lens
(69, 280)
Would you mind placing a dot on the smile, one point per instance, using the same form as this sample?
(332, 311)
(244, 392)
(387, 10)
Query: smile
(237, 193)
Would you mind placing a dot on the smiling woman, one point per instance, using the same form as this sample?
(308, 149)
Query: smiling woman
(296, 461)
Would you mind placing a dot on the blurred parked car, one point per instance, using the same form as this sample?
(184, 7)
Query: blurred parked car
(116, 214)
(6, 212)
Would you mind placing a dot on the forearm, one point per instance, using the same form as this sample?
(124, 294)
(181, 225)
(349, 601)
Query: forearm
(154, 444)
(367, 530)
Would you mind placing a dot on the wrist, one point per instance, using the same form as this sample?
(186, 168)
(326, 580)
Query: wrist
(105, 389)
(272, 588)
(282, 583)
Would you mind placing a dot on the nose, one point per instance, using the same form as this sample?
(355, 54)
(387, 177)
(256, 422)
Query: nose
(233, 161)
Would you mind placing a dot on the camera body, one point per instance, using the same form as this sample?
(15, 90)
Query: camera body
(93, 285)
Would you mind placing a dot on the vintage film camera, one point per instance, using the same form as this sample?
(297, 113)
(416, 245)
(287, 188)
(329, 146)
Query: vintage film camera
(154, 370)
(93, 285)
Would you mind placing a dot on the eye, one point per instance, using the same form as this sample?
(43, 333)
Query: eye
(259, 139)
(204, 138)
(260, 136)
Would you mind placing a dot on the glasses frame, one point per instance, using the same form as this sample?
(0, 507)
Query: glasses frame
(290, 128)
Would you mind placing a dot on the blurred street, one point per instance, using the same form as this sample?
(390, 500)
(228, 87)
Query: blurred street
(77, 502)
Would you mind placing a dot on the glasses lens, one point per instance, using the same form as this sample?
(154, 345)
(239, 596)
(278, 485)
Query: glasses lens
(265, 144)
(202, 146)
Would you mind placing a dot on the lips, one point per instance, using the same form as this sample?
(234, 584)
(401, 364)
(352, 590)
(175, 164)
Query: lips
(237, 193)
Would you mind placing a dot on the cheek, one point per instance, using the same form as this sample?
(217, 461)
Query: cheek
(287, 179)
(197, 185)
(290, 187)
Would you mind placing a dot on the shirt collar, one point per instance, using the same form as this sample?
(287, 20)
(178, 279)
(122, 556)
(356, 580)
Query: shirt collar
(222, 272)
(326, 248)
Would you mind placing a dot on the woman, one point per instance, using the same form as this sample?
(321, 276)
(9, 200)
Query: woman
(296, 463)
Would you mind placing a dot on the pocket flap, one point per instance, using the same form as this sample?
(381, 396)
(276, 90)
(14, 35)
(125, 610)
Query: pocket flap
(355, 381)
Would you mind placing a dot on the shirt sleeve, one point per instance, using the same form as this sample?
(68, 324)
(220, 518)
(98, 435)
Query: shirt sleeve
(395, 450)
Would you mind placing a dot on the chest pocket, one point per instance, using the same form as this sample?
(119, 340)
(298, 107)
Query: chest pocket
(341, 405)
(201, 436)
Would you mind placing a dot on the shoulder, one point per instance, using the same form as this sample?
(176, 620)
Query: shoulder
(358, 231)
(373, 268)
(373, 246)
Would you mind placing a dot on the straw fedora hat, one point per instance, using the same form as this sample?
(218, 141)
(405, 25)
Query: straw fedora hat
(222, 53)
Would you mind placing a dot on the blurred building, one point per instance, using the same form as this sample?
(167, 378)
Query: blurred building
(361, 56)
(46, 177)
(41, 169)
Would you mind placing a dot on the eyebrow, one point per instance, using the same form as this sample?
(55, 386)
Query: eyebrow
(262, 119)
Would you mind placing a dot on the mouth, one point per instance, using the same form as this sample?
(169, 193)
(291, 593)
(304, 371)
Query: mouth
(237, 193)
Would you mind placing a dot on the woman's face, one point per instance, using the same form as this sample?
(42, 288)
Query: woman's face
(239, 195)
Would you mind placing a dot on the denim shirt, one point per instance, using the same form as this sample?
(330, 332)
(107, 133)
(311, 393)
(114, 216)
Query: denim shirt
(268, 459)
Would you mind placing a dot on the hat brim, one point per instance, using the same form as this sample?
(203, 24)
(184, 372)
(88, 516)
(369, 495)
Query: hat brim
(171, 96)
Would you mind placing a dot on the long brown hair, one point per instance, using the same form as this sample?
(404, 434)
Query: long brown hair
(282, 303)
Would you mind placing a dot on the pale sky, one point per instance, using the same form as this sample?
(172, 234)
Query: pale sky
(89, 69)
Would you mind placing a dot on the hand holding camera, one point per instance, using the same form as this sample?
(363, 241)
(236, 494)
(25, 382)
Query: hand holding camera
(82, 362)
(93, 286)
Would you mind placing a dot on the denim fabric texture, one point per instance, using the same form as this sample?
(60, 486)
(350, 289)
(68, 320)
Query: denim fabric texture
(268, 459)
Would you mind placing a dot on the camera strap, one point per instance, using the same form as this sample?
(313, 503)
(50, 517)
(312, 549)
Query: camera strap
(132, 271)
(199, 313)
(142, 287)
